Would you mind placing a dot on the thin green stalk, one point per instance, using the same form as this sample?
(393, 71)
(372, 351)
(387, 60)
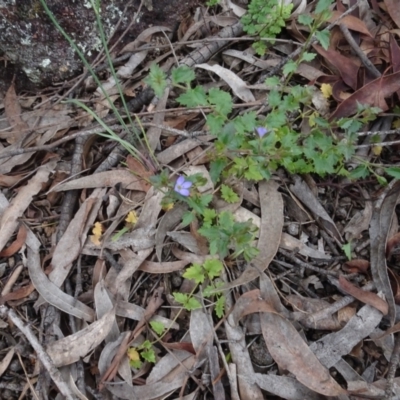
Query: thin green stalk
(136, 153)
(96, 8)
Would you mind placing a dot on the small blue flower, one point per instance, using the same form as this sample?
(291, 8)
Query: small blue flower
(261, 131)
(182, 186)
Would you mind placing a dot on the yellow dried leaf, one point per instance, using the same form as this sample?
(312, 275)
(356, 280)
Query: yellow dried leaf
(97, 229)
(377, 150)
(396, 123)
(133, 354)
(168, 207)
(97, 232)
(131, 218)
(95, 240)
(311, 119)
(326, 90)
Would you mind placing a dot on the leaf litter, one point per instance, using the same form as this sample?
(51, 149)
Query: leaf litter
(327, 323)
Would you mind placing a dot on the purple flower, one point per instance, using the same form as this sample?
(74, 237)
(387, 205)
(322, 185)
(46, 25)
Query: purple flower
(261, 131)
(182, 186)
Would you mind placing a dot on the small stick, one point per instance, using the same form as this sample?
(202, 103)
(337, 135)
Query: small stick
(15, 152)
(364, 59)
(303, 264)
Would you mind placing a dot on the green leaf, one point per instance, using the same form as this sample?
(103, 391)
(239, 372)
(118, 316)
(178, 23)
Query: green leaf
(250, 252)
(289, 67)
(157, 80)
(182, 74)
(218, 240)
(350, 124)
(347, 250)
(215, 122)
(322, 5)
(193, 97)
(149, 355)
(323, 38)
(260, 47)
(272, 81)
(274, 98)
(221, 99)
(135, 364)
(208, 291)
(216, 167)
(188, 218)
(189, 303)
(146, 345)
(220, 306)
(308, 56)
(213, 268)
(229, 195)
(305, 19)
(393, 172)
(195, 272)
(276, 119)
(180, 298)
(199, 202)
(360, 172)
(192, 304)
(226, 220)
(208, 215)
(245, 123)
(157, 327)
(253, 173)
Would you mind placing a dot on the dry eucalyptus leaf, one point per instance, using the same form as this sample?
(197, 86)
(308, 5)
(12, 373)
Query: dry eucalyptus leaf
(237, 85)
(52, 294)
(292, 353)
(13, 112)
(70, 244)
(74, 347)
(333, 346)
(102, 179)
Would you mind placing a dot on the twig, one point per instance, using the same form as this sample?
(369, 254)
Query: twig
(15, 152)
(27, 377)
(115, 156)
(203, 54)
(313, 40)
(175, 132)
(369, 133)
(390, 143)
(311, 319)
(364, 59)
(42, 355)
(303, 264)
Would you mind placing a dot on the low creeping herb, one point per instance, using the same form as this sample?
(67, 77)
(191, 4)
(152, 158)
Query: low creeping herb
(203, 274)
(265, 18)
(253, 147)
